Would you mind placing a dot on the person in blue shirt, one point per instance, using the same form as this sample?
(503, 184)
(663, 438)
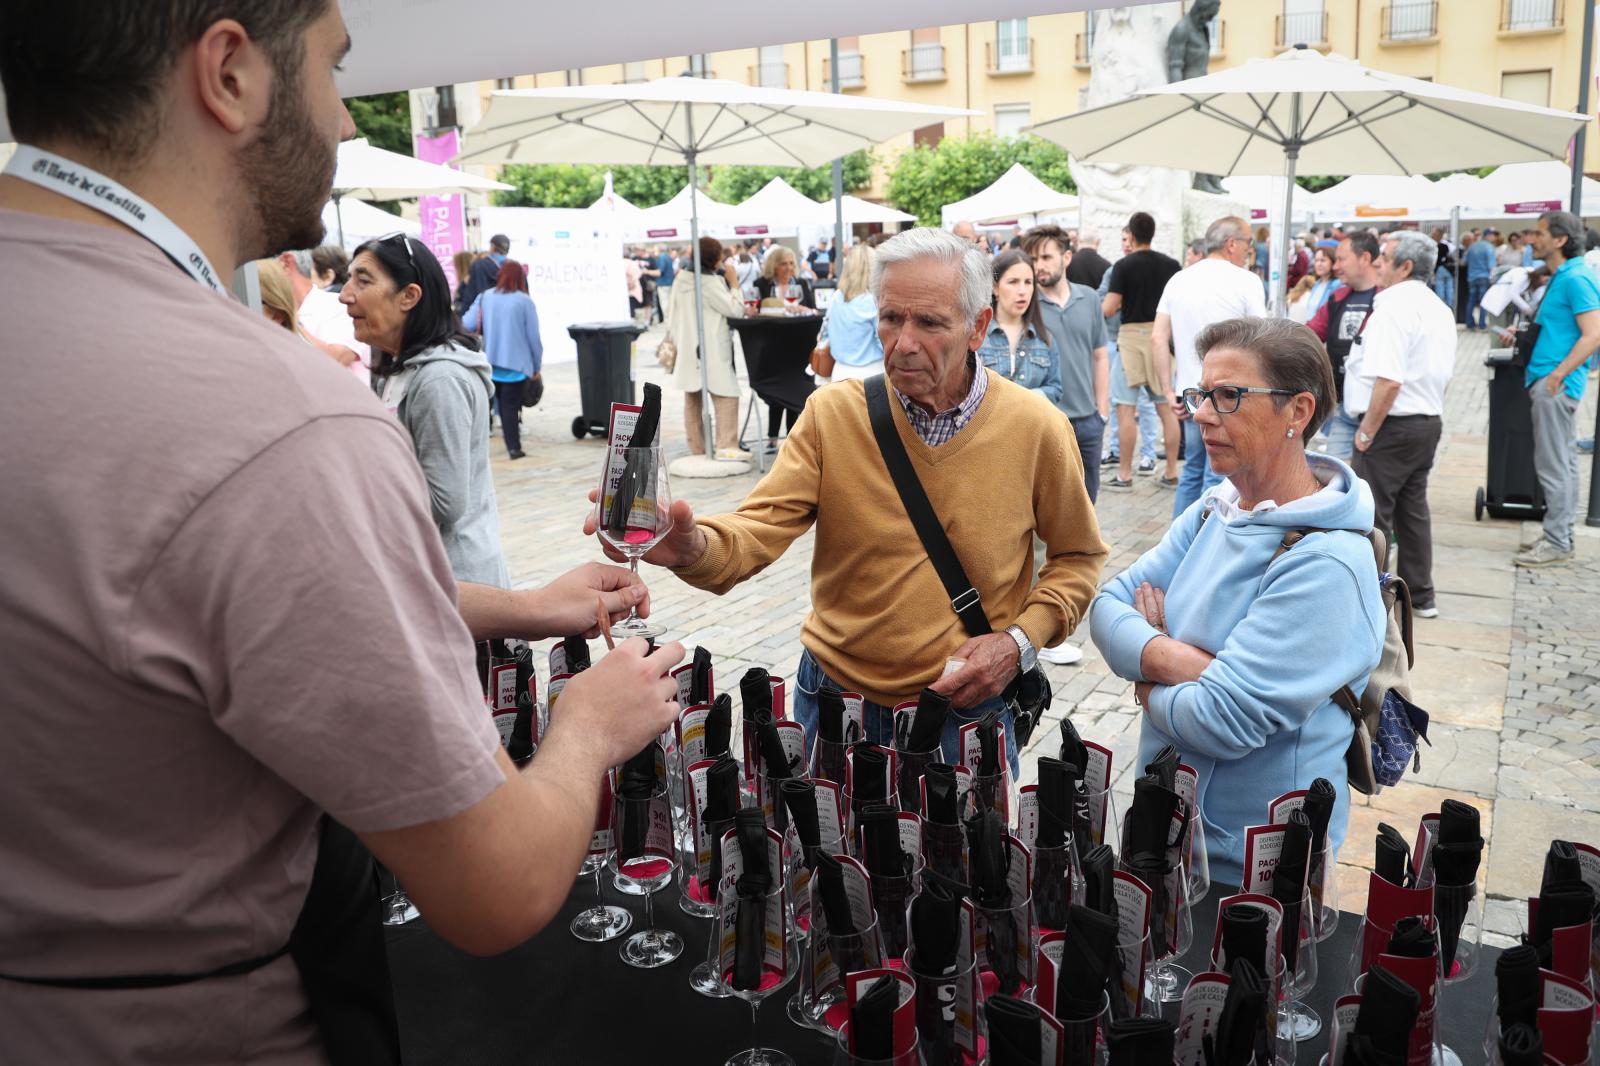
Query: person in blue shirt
(850, 329)
(666, 270)
(1569, 334)
(1216, 628)
(509, 322)
(486, 270)
(1018, 346)
(1480, 260)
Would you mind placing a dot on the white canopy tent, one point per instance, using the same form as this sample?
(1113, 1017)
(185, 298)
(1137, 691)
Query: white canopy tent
(671, 221)
(1382, 196)
(864, 212)
(362, 222)
(1015, 195)
(1527, 189)
(780, 207)
(1264, 194)
(367, 172)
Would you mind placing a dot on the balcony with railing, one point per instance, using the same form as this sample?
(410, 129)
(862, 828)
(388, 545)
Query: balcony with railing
(922, 62)
(1082, 45)
(1411, 22)
(1005, 57)
(770, 75)
(852, 71)
(1309, 28)
(1531, 16)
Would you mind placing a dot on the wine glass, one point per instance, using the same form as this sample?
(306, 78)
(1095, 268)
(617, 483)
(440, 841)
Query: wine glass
(703, 978)
(1299, 1022)
(1324, 887)
(599, 923)
(1168, 981)
(638, 475)
(822, 1007)
(1196, 865)
(843, 1056)
(773, 974)
(792, 295)
(650, 870)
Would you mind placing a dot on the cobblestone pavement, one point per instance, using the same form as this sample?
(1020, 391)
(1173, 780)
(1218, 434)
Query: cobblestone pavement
(1510, 670)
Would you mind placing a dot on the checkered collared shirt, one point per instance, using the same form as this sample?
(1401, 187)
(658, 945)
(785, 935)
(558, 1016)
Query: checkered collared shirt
(941, 428)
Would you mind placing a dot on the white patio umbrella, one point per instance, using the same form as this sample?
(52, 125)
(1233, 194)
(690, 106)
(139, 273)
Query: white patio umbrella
(1016, 194)
(358, 222)
(367, 172)
(1305, 112)
(693, 120)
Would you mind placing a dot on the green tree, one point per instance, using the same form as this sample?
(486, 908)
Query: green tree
(925, 178)
(733, 184)
(384, 120)
(580, 184)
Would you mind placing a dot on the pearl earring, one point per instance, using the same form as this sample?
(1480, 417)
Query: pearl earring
(1290, 434)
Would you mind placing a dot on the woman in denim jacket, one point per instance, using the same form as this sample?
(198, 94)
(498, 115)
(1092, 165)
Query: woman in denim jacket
(1018, 346)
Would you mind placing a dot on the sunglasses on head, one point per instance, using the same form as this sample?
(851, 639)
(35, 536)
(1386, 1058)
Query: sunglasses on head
(405, 240)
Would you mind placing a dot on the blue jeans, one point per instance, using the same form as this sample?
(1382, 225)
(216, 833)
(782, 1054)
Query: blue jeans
(1477, 317)
(1444, 283)
(1196, 475)
(1340, 429)
(1149, 423)
(1090, 431)
(877, 719)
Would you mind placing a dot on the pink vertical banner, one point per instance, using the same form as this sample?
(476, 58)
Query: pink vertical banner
(443, 218)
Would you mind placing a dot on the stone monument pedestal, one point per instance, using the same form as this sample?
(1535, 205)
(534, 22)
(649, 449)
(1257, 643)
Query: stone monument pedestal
(1200, 209)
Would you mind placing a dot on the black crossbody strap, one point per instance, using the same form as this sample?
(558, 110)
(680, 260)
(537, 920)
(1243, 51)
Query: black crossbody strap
(964, 599)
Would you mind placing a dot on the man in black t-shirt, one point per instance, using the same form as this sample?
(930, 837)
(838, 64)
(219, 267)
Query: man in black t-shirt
(1135, 287)
(1340, 321)
(1088, 266)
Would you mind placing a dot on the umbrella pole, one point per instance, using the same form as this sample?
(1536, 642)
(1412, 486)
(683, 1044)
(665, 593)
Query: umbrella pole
(1291, 156)
(338, 213)
(699, 300)
(838, 169)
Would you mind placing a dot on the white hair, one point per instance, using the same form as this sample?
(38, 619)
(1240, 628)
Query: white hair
(974, 286)
(303, 262)
(1418, 249)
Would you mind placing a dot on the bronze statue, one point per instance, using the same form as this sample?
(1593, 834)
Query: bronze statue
(1188, 56)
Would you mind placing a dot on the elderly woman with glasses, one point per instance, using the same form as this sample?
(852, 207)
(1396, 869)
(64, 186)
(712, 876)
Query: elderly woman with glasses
(431, 376)
(1234, 645)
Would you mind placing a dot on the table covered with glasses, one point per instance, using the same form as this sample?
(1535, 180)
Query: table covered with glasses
(557, 1000)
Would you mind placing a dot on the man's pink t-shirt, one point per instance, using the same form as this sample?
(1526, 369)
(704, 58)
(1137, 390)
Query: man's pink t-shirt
(193, 663)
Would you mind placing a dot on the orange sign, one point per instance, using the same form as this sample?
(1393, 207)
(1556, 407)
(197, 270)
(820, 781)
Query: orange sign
(1368, 211)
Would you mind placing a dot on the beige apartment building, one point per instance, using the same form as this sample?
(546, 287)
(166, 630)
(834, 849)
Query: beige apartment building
(1014, 72)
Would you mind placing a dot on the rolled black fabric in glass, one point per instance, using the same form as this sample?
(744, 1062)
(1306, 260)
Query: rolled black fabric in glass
(1073, 749)
(1521, 1045)
(799, 796)
(637, 472)
(774, 759)
(830, 715)
(1455, 856)
(935, 934)
(1052, 880)
(991, 889)
(939, 781)
(836, 911)
(637, 782)
(750, 941)
(1289, 883)
(1411, 938)
(755, 694)
(1152, 871)
(869, 780)
(1148, 824)
(758, 876)
(1561, 863)
(1013, 1031)
(890, 869)
(1518, 987)
(1244, 934)
(519, 747)
(576, 650)
(1140, 1041)
(989, 748)
(1561, 904)
(927, 726)
(1392, 860)
(1082, 827)
(872, 1020)
(1451, 902)
(700, 677)
(1239, 1031)
(1055, 802)
(754, 883)
(524, 661)
(1388, 1012)
(1099, 880)
(1164, 767)
(722, 803)
(1087, 955)
(719, 726)
(1318, 805)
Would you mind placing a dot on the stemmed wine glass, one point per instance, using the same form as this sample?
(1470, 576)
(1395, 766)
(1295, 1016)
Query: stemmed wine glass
(1299, 1022)
(601, 922)
(772, 976)
(650, 870)
(634, 530)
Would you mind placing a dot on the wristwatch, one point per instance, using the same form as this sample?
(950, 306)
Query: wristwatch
(1027, 658)
(1364, 438)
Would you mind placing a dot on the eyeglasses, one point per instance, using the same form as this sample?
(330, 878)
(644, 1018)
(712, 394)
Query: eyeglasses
(1225, 398)
(405, 240)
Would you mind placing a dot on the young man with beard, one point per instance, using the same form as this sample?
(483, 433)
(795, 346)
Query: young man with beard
(1340, 320)
(194, 670)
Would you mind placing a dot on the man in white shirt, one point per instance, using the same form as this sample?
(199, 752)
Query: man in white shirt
(1216, 288)
(1395, 377)
(323, 317)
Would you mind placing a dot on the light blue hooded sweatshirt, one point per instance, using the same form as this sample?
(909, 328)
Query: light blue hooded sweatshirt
(1286, 634)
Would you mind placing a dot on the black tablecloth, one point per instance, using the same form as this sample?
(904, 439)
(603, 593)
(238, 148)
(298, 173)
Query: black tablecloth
(559, 1000)
(777, 354)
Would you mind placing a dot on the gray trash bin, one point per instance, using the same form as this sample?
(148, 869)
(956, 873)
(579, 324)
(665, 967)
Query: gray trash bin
(605, 371)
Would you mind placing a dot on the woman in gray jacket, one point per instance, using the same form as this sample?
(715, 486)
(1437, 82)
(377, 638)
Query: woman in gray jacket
(431, 376)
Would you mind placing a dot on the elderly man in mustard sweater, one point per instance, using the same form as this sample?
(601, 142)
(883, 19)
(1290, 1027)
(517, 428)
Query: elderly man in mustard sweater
(1000, 466)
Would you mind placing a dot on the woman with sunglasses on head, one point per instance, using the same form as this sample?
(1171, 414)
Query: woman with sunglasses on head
(431, 376)
(1235, 648)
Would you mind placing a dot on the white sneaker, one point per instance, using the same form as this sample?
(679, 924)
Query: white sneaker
(1542, 554)
(1146, 466)
(734, 455)
(1426, 612)
(1064, 654)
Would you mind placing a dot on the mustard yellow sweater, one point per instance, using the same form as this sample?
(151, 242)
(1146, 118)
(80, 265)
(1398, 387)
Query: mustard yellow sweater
(880, 622)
